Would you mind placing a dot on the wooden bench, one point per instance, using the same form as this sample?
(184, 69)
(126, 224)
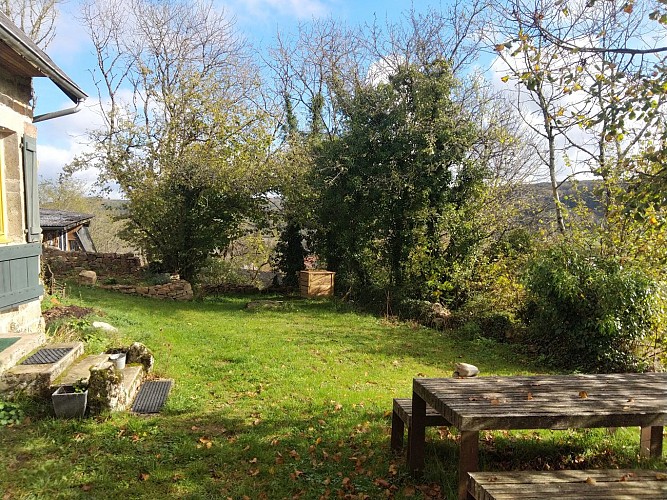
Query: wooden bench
(402, 416)
(568, 485)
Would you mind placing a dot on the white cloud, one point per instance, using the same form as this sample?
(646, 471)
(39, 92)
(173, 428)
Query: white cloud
(61, 139)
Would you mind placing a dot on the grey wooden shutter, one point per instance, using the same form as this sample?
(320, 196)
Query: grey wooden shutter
(31, 189)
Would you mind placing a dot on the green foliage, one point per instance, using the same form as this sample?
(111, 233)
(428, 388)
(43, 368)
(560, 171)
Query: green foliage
(218, 271)
(589, 312)
(189, 153)
(10, 413)
(389, 189)
(289, 253)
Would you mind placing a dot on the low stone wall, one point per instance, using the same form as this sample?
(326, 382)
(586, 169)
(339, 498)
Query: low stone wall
(104, 264)
(174, 290)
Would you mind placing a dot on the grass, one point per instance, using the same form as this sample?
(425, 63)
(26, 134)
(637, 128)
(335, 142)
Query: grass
(286, 403)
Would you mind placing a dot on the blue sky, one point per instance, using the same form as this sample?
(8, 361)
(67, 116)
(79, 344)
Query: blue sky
(257, 20)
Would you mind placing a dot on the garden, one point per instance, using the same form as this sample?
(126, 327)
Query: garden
(289, 402)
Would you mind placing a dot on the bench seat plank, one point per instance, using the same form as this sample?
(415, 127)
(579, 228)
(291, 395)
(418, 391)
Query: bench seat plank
(402, 416)
(568, 484)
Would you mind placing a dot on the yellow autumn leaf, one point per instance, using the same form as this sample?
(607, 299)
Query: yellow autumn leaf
(505, 78)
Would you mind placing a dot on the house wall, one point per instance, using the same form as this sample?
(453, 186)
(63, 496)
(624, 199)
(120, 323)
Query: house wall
(15, 122)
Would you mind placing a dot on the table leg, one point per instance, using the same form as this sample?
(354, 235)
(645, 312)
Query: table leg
(651, 442)
(468, 460)
(417, 435)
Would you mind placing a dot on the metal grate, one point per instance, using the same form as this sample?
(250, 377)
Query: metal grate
(152, 396)
(47, 356)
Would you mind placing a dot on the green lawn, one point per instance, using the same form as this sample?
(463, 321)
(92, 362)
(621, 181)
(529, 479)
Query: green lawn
(289, 403)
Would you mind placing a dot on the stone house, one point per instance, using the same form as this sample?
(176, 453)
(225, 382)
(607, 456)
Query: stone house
(66, 231)
(20, 233)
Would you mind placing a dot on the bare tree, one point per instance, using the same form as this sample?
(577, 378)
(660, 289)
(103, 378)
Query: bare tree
(36, 18)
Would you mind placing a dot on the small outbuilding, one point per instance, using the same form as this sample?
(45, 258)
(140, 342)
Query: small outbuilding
(66, 231)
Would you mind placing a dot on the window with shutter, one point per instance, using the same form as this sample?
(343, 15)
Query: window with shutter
(34, 231)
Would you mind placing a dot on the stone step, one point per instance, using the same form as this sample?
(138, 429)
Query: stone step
(38, 379)
(26, 343)
(80, 371)
(133, 376)
(109, 392)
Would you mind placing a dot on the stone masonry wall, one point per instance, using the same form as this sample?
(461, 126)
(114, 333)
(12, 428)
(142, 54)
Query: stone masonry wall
(104, 264)
(174, 290)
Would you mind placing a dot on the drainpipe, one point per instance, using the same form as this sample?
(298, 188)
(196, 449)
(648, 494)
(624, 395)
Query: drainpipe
(58, 114)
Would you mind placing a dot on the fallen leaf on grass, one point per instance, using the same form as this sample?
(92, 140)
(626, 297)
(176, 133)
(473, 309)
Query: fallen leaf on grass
(409, 491)
(382, 483)
(144, 476)
(86, 487)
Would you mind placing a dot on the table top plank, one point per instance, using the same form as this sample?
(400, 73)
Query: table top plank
(552, 402)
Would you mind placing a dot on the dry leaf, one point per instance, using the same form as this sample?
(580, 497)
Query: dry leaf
(144, 476)
(590, 480)
(661, 476)
(529, 395)
(86, 487)
(583, 394)
(382, 483)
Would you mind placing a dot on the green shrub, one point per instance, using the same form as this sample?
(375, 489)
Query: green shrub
(10, 413)
(590, 313)
(218, 271)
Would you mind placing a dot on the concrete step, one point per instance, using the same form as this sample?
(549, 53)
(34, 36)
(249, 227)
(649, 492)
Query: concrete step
(38, 379)
(80, 371)
(26, 343)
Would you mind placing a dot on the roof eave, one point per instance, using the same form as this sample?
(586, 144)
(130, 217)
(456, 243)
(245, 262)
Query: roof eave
(20, 42)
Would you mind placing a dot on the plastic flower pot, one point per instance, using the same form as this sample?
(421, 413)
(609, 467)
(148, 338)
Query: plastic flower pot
(118, 360)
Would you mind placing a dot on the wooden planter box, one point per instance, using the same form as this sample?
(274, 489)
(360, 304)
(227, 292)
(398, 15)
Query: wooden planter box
(316, 283)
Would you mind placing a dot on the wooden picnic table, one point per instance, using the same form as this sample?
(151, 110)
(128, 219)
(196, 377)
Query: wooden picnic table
(538, 402)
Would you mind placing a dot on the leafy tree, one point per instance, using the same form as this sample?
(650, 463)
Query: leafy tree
(188, 149)
(391, 179)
